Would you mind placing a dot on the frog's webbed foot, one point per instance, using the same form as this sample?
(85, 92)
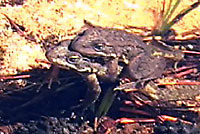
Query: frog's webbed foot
(52, 77)
(137, 85)
(92, 94)
(130, 85)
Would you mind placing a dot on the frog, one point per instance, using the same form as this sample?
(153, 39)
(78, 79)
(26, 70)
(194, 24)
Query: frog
(118, 46)
(111, 54)
(104, 42)
(98, 41)
(91, 71)
(94, 71)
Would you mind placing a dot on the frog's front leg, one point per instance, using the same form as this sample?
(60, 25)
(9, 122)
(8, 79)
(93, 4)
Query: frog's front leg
(93, 92)
(113, 70)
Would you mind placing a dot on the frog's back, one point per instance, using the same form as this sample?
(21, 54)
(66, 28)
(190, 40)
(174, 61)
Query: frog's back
(99, 41)
(124, 44)
(119, 38)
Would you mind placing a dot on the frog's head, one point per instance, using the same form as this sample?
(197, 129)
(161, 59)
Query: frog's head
(92, 43)
(63, 58)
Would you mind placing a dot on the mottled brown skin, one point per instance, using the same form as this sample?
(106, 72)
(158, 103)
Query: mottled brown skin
(108, 43)
(62, 57)
(143, 61)
(99, 52)
(70, 60)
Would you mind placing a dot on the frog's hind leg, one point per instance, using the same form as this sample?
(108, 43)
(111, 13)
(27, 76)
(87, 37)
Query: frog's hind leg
(146, 67)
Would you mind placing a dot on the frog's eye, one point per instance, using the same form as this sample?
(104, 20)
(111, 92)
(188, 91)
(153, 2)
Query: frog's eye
(73, 59)
(98, 46)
